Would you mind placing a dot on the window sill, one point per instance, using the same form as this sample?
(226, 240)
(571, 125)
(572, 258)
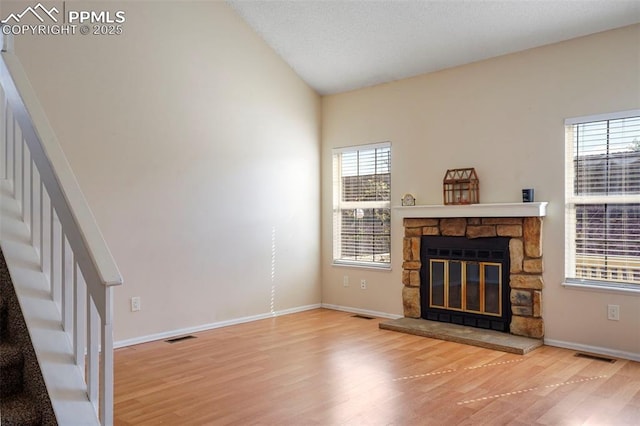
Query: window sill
(604, 288)
(370, 266)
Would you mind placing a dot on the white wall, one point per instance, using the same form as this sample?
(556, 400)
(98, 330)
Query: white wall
(198, 149)
(505, 117)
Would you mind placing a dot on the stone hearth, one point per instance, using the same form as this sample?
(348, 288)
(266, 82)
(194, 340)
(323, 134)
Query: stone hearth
(526, 266)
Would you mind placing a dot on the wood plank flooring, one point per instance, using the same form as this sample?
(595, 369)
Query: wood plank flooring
(326, 367)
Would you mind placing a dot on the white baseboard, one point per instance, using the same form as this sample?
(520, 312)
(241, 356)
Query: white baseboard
(360, 311)
(593, 349)
(211, 326)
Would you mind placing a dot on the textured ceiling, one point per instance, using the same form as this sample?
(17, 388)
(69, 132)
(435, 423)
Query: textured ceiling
(336, 46)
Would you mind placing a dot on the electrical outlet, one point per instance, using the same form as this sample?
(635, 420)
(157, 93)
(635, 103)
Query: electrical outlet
(613, 312)
(363, 284)
(135, 304)
(345, 281)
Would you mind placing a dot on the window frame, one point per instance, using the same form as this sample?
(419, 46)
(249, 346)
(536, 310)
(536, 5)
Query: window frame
(338, 206)
(571, 200)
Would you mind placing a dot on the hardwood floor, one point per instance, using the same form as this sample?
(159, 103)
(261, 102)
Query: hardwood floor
(326, 367)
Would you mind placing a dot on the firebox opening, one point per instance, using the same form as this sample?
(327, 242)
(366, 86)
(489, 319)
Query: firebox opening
(466, 281)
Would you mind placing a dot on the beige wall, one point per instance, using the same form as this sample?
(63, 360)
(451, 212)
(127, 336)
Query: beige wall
(505, 117)
(198, 150)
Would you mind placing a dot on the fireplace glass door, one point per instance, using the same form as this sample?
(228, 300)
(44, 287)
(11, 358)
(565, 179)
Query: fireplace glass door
(466, 286)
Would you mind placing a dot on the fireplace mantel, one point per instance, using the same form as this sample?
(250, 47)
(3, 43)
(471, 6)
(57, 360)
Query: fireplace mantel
(536, 209)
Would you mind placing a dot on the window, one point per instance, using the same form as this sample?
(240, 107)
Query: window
(361, 205)
(602, 219)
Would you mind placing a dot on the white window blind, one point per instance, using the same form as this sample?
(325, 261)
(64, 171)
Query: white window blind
(361, 205)
(602, 221)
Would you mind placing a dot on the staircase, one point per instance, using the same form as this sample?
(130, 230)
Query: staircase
(57, 275)
(23, 396)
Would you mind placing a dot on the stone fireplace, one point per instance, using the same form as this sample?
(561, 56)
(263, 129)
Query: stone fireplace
(523, 234)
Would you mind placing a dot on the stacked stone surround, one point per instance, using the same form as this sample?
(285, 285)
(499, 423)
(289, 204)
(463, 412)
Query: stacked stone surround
(525, 251)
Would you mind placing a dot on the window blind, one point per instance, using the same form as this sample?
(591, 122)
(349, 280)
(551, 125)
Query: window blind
(603, 200)
(361, 205)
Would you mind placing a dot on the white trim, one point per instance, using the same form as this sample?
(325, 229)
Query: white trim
(52, 346)
(537, 209)
(629, 289)
(360, 311)
(7, 41)
(602, 117)
(633, 356)
(571, 199)
(374, 266)
(353, 148)
(210, 326)
(348, 205)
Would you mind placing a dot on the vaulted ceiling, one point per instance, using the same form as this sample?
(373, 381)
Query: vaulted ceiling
(337, 46)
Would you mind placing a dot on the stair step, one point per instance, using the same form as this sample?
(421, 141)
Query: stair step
(11, 368)
(19, 410)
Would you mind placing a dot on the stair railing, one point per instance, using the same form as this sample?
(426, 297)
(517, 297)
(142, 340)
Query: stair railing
(73, 253)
